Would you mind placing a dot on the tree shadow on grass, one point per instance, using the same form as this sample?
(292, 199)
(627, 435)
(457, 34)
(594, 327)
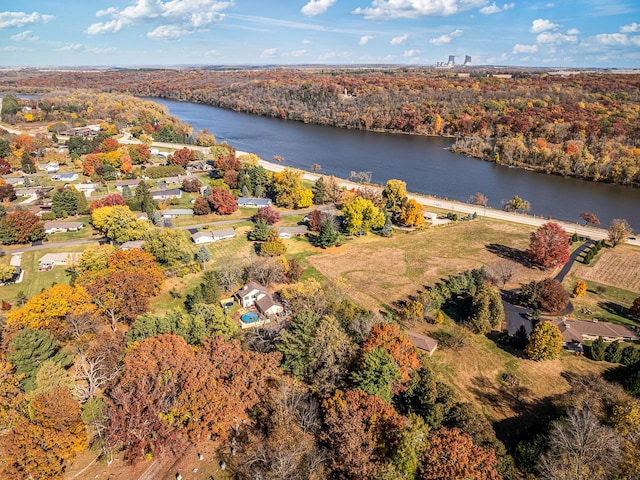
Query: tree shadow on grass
(510, 253)
(615, 309)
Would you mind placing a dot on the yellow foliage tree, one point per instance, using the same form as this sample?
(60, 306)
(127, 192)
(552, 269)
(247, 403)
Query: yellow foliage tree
(412, 214)
(580, 289)
(119, 223)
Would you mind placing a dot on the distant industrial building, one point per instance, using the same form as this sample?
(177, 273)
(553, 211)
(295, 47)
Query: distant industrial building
(452, 62)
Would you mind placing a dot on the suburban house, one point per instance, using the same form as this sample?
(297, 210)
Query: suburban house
(255, 295)
(88, 131)
(288, 232)
(87, 188)
(14, 180)
(142, 216)
(254, 202)
(64, 177)
(50, 260)
(177, 180)
(423, 342)
(131, 183)
(132, 244)
(574, 332)
(51, 167)
(177, 212)
(166, 194)
(55, 226)
(212, 235)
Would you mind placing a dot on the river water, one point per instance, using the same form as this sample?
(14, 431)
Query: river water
(423, 162)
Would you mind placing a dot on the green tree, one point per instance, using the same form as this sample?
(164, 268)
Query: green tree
(360, 216)
(487, 311)
(10, 105)
(376, 374)
(613, 352)
(27, 162)
(170, 247)
(329, 236)
(319, 190)
(332, 351)
(142, 200)
(597, 349)
(260, 231)
(545, 342)
(28, 351)
(295, 342)
(64, 203)
(203, 255)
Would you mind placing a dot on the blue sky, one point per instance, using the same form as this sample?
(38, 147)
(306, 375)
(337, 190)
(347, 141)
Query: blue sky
(557, 33)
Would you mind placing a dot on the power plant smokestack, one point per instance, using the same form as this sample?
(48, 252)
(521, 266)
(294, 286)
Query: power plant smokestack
(467, 61)
(452, 60)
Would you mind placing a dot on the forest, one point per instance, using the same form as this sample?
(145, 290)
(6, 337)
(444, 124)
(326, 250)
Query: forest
(583, 125)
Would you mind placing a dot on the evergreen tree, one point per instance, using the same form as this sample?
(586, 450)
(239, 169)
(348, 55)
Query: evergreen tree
(613, 352)
(319, 190)
(203, 255)
(143, 199)
(295, 343)
(377, 373)
(329, 235)
(597, 349)
(260, 231)
(26, 162)
(126, 192)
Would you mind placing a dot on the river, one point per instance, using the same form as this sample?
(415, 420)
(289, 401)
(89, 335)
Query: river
(423, 162)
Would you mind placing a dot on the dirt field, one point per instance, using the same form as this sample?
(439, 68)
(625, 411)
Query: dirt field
(377, 271)
(618, 267)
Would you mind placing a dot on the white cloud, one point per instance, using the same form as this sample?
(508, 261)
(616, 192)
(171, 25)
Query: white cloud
(493, 8)
(612, 39)
(79, 47)
(573, 31)
(179, 17)
(268, 52)
(410, 53)
(632, 27)
(365, 39)
(399, 40)
(20, 19)
(306, 42)
(298, 53)
(164, 32)
(210, 53)
(542, 25)
(26, 35)
(13, 48)
(446, 38)
(555, 38)
(519, 48)
(316, 7)
(72, 47)
(388, 9)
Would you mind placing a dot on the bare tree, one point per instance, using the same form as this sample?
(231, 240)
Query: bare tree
(229, 274)
(479, 199)
(581, 448)
(502, 271)
(619, 230)
(92, 372)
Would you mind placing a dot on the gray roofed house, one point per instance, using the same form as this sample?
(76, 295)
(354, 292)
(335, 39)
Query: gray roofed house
(423, 342)
(577, 331)
(50, 260)
(14, 180)
(288, 232)
(254, 202)
(132, 182)
(177, 212)
(132, 244)
(166, 194)
(213, 235)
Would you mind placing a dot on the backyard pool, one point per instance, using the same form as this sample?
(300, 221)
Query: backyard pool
(249, 317)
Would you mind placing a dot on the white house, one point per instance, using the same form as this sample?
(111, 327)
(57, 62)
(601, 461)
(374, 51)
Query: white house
(166, 194)
(131, 183)
(50, 260)
(288, 232)
(177, 212)
(86, 188)
(212, 236)
(56, 226)
(132, 244)
(64, 177)
(253, 202)
(255, 295)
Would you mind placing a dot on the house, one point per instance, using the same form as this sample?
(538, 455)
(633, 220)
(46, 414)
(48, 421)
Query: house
(255, 295)
(131, 183)
(575, 332)
(132, 244)
(50, 260)
(177, 180)
(166, 194)
(56, 227)
(88, 131)
(212, 235)
(86, 188)
(423, 342)
(254, 202)
(142, 216)
(288, 232)
(64, 177)
(177, 212)
(14, 181)
(51, 167)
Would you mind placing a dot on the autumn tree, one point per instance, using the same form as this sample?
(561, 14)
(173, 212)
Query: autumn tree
(517, 204)
(452, 454)
(548, 295)
(619, 229)
(360, 216)
(6, 272)
(169, 247)
(191, 184)
(479, 199)
(501, 271)
(411, 214)
(108, 201)
(20, 227)
(222, 201)
(580, 288)
(182, 157)
(201, 206)
(268, 214)
(41, 446)
(395, 193)
(549, 246)
(118, 223)
(7, 192)
(635, 308)
(273, 245)
(290, 193)
(545, 342)
(360, 428)
(590, 218)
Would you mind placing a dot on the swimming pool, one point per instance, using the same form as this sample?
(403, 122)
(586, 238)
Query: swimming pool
(249, 317)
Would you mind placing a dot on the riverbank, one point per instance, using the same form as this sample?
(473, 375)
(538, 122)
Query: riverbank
(465, 208)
